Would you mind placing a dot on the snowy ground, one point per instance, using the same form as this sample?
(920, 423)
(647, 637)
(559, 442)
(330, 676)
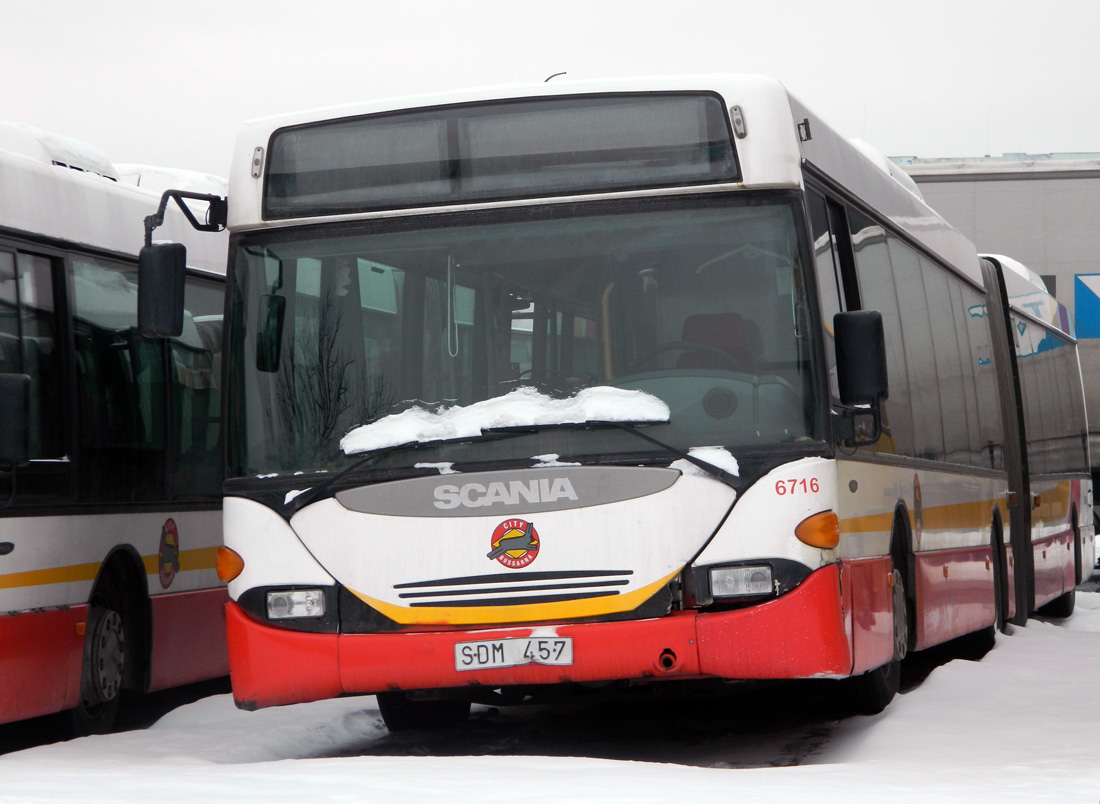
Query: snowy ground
(1016, 726)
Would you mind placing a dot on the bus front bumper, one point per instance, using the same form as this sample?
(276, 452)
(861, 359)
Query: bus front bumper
(799, 635)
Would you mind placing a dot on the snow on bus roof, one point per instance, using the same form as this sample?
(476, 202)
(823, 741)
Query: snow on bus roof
(88, 204)
(50, 148)
(158, 179)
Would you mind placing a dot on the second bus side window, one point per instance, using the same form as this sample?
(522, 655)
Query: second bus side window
(121, 389)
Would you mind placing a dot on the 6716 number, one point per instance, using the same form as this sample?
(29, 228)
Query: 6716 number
(799, 486)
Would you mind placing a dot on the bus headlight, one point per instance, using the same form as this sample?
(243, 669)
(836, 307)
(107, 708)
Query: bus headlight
(299, 603)
(741, 581)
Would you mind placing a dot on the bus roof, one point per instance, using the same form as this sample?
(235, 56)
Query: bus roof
(46, 198)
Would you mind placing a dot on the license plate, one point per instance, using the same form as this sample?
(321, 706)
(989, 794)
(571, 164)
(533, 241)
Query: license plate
(513, 652)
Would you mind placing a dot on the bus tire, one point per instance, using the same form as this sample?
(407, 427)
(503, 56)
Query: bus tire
(872, 692)
(103, 667)
(1061, 607)
(399, 713)
(1000, 578)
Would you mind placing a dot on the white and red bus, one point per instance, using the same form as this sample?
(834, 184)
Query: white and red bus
(110, 444)
(627, 381)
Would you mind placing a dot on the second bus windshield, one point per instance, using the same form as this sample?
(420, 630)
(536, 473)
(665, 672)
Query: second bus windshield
(700, 303)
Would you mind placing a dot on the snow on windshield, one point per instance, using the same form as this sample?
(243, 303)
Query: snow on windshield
(523, 406)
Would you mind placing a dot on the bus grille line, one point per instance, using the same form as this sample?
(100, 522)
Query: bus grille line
(527, 577)
(506, 589)
(514, 601)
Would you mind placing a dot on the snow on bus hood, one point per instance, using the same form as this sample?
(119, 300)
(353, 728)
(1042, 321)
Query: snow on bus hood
(523, 406)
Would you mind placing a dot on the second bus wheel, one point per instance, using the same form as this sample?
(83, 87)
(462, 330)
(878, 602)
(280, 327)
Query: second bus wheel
(400, 713)
(103, 668)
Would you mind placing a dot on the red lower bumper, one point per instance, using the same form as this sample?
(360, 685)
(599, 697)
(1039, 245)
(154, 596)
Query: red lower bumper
(799, 635)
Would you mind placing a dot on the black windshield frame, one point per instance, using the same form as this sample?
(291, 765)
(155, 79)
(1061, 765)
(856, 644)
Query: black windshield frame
(609, 446)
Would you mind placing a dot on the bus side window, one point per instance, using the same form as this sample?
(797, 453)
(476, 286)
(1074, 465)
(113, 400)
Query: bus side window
(878, 287)
(40, 354)
(921, 360)
(194, 381)
(121, 391)
(958, 390)
(10, 362)
(828, 279)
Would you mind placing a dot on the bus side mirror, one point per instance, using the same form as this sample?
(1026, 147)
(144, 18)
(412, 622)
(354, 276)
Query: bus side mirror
(861, 374)
(14, 396)
(161, 273)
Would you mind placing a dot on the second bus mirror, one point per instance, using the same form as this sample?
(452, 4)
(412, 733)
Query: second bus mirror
(162, 268)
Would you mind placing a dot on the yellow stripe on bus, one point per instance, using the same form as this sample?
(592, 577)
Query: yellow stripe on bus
(479, 615)
(937, 517)
(198, 559)
(70, 574)
(874, 523)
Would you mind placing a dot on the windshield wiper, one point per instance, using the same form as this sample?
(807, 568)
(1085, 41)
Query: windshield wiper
(717, 472)
(310, 495)
(299, 502)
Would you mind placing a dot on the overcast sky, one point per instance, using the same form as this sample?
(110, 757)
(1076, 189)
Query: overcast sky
(169, 83)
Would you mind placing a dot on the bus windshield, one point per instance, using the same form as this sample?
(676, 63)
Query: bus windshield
(698, 302)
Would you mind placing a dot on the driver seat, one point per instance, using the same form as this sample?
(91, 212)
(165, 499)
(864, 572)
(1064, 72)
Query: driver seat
(726, 332)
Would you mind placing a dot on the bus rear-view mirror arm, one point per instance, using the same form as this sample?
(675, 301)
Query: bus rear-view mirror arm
(217, 212)
(162, 266)
(861, 375)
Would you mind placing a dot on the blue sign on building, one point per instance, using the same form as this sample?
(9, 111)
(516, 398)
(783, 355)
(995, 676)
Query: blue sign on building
(1086, 300)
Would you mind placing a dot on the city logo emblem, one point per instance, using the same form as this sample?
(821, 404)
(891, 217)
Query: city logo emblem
(515, 543)
(168, 558)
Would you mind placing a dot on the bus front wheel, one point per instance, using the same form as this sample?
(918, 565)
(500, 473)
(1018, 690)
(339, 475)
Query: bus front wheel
(103, 667)
(401, 713)
(871, 692)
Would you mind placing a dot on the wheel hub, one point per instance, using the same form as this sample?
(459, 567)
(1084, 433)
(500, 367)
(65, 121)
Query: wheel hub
(901, 619)
(108, 655)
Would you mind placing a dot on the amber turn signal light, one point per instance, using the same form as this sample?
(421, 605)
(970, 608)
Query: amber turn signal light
(229, 564)
(820, 530)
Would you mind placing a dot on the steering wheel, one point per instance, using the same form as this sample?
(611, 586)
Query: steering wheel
(684, 346)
